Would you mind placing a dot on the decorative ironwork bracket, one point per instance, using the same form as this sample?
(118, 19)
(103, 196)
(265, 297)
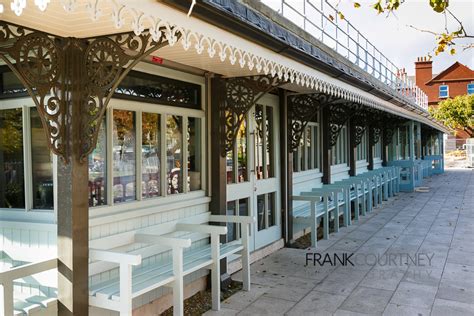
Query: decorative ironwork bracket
(302, 109)
(238, 95)
(339, 113)
(72, 80)
(390, 123)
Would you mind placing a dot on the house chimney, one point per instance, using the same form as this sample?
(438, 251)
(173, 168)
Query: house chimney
(423, 70)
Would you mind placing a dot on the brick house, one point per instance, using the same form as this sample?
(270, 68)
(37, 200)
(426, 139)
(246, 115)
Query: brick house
(457, 79)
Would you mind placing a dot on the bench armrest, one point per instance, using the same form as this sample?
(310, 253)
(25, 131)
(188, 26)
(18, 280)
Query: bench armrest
(307, 198)
(161, 240)
(232, 219)
(202, 228)
(114, 256)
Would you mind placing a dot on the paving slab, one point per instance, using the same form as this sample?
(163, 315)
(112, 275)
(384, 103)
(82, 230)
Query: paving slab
(439, 223)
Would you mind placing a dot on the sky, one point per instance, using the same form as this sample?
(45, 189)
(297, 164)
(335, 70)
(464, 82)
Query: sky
(403, 44)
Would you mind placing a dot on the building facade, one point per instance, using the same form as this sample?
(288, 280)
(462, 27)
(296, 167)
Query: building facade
(115, 144)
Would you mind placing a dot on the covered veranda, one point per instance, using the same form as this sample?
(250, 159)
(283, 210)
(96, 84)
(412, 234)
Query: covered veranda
(238, 130)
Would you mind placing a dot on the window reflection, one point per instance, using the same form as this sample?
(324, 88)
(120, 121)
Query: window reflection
(12, 189)
(194, 154)
(259, 145)
(269, 141)
(242, 152)
(42, 165)
(174, 140)
(97, 169)
(151, 153)
(124, 156)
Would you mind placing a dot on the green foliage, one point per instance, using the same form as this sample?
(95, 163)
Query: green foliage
(457, 113)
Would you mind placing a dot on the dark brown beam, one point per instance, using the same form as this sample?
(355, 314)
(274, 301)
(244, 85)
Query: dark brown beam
(218, 205)
(326, 146)
(370, 149)
(286, 169)
(352, 148)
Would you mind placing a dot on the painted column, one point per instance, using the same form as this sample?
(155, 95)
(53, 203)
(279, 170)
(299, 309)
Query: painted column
(286, 169)
(326, 146)
(218, 205)
(370, 149)
(352, 148)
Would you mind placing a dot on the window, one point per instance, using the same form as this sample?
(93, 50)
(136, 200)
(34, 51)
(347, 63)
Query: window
(12, 187)
(470, 88)
(236, 159)
(306, 157)
(123, 156)
(362, 147)
(174, 150)
(151, 155)
(443, 91)
(24, 183)
(378, 149)
(339, 150)
(194, 154)
(97, 169)
(404, 142)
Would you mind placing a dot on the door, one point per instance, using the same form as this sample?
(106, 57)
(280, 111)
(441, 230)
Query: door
(253, 173)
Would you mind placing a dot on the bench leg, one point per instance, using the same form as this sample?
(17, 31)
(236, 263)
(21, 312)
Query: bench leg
(326, 218)
(216, 273)
(314, 226)
(348, 208)
(356, 207)
(178, 284)
(125, 271)
(245, 257)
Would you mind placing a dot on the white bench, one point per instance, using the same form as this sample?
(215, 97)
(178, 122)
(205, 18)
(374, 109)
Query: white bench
(134, 279)
(320, 204)
(26, 304)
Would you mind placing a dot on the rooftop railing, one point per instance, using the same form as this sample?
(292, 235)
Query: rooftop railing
(321, 20)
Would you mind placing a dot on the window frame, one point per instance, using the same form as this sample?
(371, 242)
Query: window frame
(25, 104)
(470, 87)
(440, 96)
(302, 150)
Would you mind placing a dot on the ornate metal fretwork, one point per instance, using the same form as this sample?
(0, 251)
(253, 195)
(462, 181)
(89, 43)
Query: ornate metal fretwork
(239, 95)
(302, 109)
(390, 123)
(339, 113)
(358, 122)
(71, 80)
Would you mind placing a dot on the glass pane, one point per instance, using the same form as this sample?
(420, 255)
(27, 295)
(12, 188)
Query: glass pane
(309, 152)
(269, 142)
(124, 156)
(243, 211)
(174, 152)
(151, 155)
(230, 167)
(194, 154)
(231, 227)
(261, 211)
(315, 147)
(12, 186)
(301, 153)
(271, 210)
(42, 165)
(242, 152)
(296, 155)
(97, 169)
(259, 141)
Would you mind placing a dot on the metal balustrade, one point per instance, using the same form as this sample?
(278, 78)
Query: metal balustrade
(321, 20)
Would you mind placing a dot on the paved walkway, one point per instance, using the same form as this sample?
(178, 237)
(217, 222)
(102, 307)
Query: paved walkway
(432, 232)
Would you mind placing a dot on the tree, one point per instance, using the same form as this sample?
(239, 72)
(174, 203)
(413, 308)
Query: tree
(457, 113)
(445, 41)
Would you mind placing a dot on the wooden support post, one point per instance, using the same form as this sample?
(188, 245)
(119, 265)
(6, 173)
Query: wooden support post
(218, 205)
(326, 146)
(411, 139)
(370, 149)
(352, 148)
(286, 169)
(73, 227)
